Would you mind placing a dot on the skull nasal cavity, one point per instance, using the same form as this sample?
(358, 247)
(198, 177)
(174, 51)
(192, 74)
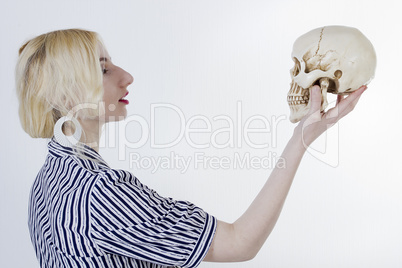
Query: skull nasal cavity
(338, 74)
(296, 69)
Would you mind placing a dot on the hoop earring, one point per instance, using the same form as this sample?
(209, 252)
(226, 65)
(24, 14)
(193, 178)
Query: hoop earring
(61, 138)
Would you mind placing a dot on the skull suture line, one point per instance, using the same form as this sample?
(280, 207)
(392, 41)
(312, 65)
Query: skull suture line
(339, 59)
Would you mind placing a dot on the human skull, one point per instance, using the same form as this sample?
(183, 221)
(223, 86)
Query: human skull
(339, 59)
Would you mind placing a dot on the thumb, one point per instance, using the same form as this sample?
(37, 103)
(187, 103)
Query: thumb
(315, 99)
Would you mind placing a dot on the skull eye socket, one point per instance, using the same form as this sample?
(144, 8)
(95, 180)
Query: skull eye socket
(338, 74)
(296, 69)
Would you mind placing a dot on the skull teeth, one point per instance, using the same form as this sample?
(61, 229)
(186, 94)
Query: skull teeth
(298, 95)
(297, 100)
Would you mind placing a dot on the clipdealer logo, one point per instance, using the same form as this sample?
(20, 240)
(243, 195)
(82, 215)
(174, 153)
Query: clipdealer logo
(243, 135)
(201, 133)
(238, 131)
(200, 160)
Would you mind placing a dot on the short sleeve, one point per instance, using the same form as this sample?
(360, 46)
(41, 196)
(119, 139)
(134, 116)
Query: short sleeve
(129, 219)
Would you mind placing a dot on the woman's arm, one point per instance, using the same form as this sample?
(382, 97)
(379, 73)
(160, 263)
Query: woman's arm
(241, 240)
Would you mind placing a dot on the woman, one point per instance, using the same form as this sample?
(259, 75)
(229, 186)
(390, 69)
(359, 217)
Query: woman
(82, 213)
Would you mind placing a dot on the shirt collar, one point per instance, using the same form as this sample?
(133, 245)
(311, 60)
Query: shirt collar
(84, 155)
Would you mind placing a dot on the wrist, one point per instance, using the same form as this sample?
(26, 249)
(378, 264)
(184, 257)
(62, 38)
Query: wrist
(298, 142)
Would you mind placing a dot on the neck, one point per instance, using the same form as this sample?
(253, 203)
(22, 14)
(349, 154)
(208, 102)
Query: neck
(91, 131)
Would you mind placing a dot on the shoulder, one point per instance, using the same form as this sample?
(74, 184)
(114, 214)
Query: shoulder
(122, 182)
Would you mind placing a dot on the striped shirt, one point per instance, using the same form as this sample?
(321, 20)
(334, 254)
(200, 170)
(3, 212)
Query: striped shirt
(82, 213)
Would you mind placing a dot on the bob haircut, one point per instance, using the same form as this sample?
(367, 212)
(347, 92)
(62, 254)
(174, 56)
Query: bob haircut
(55, 73)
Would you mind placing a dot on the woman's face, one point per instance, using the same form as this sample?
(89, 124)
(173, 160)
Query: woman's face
(115, 83)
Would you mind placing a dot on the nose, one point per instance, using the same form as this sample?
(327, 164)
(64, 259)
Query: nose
(126, 78)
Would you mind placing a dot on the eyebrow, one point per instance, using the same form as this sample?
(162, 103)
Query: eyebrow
(103, 59)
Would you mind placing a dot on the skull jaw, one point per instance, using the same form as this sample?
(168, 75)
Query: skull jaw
(298, 111)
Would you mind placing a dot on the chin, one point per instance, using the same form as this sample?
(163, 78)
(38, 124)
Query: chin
(122, 117)
(116, 117)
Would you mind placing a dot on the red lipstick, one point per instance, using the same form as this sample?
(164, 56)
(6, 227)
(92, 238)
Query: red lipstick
(124, 100)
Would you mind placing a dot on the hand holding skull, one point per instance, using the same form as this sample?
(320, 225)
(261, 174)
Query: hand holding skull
(339, 59)
(316, 122)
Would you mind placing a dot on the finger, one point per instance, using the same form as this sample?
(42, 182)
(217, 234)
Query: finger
(315, 99)
(350, 101)
(339, 99)
(346, 105)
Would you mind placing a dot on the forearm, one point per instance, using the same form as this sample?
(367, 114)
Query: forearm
(255, 225)
(242, 240)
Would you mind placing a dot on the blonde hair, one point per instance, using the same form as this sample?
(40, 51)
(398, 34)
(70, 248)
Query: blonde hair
(56, 72)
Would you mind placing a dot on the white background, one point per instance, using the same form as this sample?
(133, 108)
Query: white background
(204, 57)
